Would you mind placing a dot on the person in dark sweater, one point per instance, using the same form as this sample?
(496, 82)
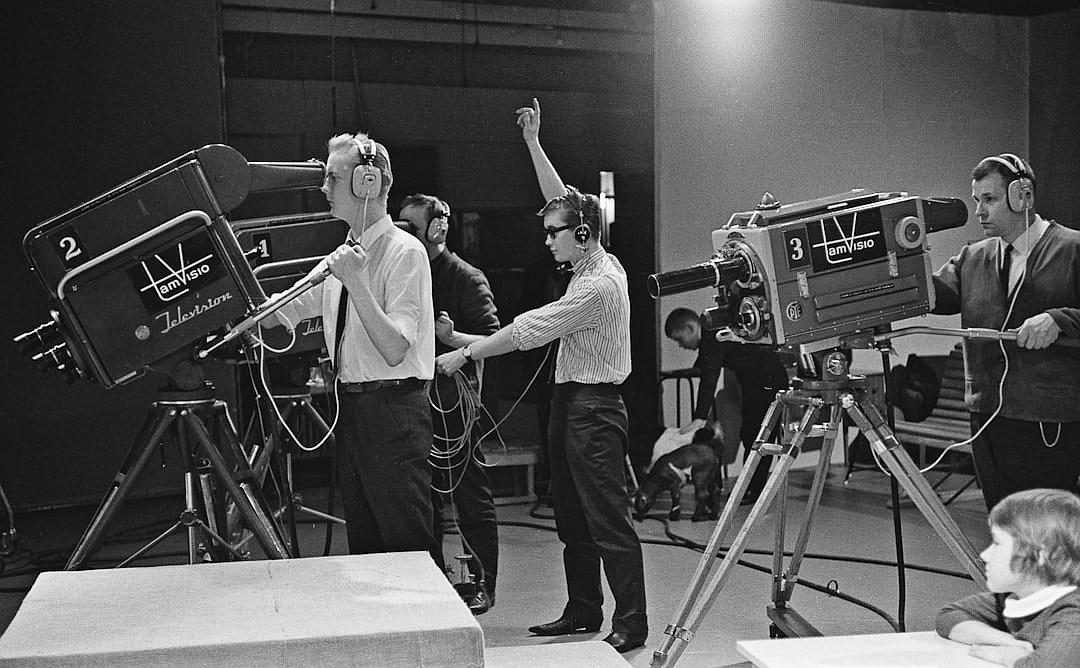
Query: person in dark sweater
(1025, 276)
(758, 369)
(1030, 618)
(465, 312)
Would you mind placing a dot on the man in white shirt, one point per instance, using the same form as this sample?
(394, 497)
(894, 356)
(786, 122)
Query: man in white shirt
(382, 344)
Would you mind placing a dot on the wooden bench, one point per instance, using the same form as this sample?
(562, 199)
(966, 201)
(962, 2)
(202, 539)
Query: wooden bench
(948, 423)
(520, 460)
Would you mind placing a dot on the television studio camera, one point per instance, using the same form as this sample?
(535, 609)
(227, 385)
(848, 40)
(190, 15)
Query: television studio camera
(141, 276)
(820, 278)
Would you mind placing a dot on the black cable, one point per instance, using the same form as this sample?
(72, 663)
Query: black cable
(681, 541)
(894, 491)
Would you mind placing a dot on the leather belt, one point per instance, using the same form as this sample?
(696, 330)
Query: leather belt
(401, 384)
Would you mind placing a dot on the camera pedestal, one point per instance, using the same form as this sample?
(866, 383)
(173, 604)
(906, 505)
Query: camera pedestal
(813, 397)
(186, 416)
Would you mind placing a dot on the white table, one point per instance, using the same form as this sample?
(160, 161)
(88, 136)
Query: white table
(360, 610)
(878, 650)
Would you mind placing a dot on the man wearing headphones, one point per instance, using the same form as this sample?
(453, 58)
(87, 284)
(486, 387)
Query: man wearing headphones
(587, 432)
(1023, 396)
(466, 313)
(376, 304)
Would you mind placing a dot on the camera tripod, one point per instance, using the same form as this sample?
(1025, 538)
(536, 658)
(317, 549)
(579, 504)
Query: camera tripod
(835, 393)
(192, 419)
(294, 408)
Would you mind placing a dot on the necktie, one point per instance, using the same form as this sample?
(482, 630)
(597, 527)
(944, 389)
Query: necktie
(339, 331)
(1006, 266)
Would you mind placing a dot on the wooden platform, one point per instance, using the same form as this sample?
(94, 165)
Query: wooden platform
(369, 610)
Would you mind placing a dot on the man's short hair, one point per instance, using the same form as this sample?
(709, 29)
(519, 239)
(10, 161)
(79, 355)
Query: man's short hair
(989, 165)
(677, 319)
(434, 206)
(348, 142)
(574, 204)
(1045, 528)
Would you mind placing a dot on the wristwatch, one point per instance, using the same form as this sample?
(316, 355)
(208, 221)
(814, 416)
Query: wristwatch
(466, 352)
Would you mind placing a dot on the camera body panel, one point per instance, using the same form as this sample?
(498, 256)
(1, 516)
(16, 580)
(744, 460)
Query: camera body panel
(825, 268)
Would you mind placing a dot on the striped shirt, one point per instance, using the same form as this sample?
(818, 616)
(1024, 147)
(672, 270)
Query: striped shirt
(591, 321)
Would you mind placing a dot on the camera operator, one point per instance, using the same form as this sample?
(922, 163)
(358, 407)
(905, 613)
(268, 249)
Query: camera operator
(466, 313)
(377, 303)
(1025, 276)
(587, 432)
(759, 370)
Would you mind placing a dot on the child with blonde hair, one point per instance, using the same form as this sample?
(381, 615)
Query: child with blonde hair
(1031, 615)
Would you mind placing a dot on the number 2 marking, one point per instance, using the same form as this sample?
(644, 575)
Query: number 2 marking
(70, 247)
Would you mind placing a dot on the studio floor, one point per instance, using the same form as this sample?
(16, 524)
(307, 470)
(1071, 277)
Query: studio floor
(853, 525)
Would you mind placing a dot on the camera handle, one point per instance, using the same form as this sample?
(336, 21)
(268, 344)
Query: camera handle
(265, 311)
(968, 333)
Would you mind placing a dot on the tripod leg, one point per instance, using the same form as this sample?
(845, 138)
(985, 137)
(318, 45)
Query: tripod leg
(900, 464)
(261, 462)
(255, 515)
(284, 464)
(784, 585)
(681, 629)
(777, 480)
(134, 462)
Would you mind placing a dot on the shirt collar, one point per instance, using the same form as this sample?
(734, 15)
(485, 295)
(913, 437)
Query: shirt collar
(374, 231)
(1035, 602)
(590, 261)
(1023, 244)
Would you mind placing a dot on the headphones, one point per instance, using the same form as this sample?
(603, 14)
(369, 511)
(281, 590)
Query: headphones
(439, 223)
(1021, 185)
(366, 177)
(582, 233)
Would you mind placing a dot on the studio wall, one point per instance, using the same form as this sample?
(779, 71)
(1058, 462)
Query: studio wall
(805, 99)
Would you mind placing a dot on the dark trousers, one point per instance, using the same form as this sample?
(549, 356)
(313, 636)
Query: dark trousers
(1012, 455)
(463, 472)
(587, 436)
(754, 406)
(383, 439)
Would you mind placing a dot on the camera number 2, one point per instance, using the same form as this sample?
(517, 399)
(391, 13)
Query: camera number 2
(70, 248)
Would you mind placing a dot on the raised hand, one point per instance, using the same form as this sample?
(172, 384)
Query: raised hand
(528, 119)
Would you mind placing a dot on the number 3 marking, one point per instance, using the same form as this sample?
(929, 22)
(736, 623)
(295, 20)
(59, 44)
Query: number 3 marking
(796, 249)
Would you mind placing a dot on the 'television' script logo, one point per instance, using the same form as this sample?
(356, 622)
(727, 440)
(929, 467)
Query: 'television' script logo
(176, 271)
(845, 239)
(178, 316)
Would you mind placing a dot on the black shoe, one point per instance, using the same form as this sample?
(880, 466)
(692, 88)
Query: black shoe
(564, 626)
(479, 601)
(624, 642)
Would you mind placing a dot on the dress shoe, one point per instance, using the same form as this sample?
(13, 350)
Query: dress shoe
(624, 642)
(564, 626)
(480, 601)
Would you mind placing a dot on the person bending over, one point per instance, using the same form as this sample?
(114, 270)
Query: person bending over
(759, 370)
